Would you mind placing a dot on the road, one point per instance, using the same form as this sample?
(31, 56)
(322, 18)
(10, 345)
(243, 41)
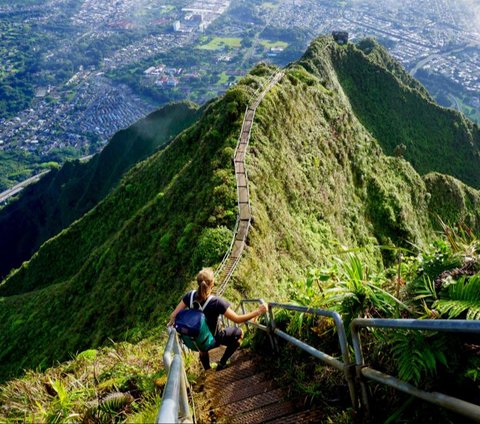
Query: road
(435, 55)
(20, 186)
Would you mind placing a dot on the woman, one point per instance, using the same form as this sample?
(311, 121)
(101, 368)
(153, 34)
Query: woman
(230, 336)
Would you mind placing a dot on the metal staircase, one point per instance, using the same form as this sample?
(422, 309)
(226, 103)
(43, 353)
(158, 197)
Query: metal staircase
(244, 218)
(246, 392)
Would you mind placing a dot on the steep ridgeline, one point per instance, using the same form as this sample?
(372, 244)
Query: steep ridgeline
(403, 118)
(61, 197)
(118, 269)
(318, 181)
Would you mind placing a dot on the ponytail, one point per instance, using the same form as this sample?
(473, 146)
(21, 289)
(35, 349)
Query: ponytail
(205, 280)
(203, 291)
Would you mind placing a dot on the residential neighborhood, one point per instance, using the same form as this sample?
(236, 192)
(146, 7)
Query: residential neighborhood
(148, 52)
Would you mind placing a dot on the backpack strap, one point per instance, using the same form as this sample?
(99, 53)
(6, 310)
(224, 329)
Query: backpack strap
(200, 307)
(209, 298)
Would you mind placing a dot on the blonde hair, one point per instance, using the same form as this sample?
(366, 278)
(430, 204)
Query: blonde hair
(205, 280)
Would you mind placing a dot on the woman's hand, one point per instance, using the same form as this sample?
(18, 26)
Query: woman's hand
(263, 308)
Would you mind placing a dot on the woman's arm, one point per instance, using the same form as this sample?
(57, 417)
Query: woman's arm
(179, 307)
(238, 319)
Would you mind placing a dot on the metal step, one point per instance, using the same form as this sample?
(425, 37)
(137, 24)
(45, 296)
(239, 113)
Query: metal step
(242, 389)
(260, 415)
(240, 371)
(251, 403)
(310, 416)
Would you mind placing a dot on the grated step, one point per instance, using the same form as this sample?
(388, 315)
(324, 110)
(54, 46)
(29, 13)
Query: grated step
(242, 389)
(254, 402)
(230, 374)
(310, 416)
(260, 415)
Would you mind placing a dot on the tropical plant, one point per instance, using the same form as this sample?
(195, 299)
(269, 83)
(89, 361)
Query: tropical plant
(417, 354)
(460, 298)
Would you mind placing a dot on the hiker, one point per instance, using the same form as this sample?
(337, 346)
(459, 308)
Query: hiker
(216, 306)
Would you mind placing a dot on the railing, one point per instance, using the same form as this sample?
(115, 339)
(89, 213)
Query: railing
(459, 406)
(175, 407)
(356, 374)
(251, 107)
(345, 365)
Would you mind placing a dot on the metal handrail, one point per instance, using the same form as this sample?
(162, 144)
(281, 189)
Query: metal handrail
(346, 365)
(175, 407)
(363, 372)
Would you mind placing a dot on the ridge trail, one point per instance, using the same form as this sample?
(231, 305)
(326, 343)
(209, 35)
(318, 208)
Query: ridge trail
(245, 392)
(244, 218)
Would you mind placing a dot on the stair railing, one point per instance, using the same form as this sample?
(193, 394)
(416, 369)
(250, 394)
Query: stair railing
(364, 373)
(356, 374)
(345, 365)
(175, 407)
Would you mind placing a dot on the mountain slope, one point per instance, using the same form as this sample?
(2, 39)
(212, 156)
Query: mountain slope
(120, 266)
(319, 181)
(63, 196)
(397, 111)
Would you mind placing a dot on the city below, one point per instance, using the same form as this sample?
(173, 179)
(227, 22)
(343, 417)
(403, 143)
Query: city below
(100, 66)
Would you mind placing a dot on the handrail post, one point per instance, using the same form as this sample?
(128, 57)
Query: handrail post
(347, 367)
(271, 326)
(359, 364)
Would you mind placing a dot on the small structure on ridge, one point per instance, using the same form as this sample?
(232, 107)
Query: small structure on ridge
(341, 37)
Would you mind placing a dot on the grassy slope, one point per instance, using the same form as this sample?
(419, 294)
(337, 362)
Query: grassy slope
(63, 196)
(124, 263)
(319, 180)
(397, 111)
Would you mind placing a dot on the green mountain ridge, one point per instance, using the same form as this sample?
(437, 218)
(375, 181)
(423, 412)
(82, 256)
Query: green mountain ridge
(63, 196)
(399, 113)
(319, 182)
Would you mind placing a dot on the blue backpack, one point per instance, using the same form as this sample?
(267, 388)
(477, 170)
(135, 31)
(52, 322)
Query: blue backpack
(192, 327)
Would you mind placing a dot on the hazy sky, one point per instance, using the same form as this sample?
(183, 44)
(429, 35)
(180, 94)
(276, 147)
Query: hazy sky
(473, 9)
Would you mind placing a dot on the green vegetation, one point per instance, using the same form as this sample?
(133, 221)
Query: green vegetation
(269, 5)
(17, 166)
(321, 185)
(66, 194)
(271, 44)
(105, 385)
(436, 139)
(440, 281)
(17, 42)
(219, 43)
(223, 78)
(122, 274)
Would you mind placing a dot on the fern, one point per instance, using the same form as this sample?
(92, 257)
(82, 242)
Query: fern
(463, 296)
(417, 354)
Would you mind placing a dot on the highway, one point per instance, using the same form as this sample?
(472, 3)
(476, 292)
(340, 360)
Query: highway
(20, 186)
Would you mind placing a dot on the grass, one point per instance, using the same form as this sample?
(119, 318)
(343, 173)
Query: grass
(167, 9)
(269, 5)
(223, 79)
(273, 44)
(219, 43)
(125, 377)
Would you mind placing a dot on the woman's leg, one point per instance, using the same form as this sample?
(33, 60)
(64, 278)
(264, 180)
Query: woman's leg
(230, 337)
(205, 360)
